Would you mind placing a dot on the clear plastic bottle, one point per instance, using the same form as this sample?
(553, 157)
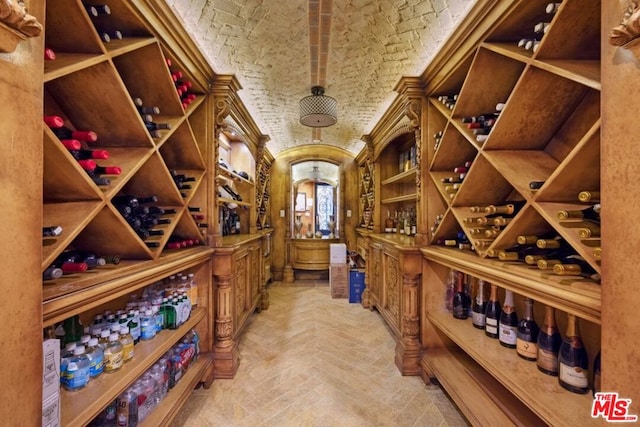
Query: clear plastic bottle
(147, 326)
(158, 316)
(134, 326)
(113, 357)
(145, 387)
(65, 356)
(104, 337)
(127, 344)
(96, 326)
(164, 368)
(95, 352)
(77, 370)
(84, 340)
(158, 379)
(127, 414)
(111, 320)
(193, 289)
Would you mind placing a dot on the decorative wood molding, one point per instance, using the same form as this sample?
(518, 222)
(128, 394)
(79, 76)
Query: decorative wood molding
(627, 33)
(16, 25)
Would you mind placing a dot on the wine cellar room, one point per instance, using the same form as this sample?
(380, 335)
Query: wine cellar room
(173, 209)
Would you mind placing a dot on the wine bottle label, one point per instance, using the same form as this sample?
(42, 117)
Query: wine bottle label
(491, 326)
(547, 360)
(479, 319)
(508, 334)
(527, 349)
(574, 375)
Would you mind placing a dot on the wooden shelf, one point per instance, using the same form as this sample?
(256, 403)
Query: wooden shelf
(579, 296)
(68, 63)
(483, 400)
(544, 396)
(80, 407)
(237, 202)
(68, 296)
(403, 198)
(163, 414)
(406, 176)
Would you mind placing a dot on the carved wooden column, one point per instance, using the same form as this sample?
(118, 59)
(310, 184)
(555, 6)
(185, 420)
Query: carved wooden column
(225, 352)
(408, 347)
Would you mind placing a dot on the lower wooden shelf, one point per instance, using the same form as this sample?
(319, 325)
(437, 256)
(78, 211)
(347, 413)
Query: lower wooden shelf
(80, 407)
(171, 404)
(541, 393)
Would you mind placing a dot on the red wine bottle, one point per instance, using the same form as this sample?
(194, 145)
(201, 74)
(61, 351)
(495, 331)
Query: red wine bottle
(549, 341)
(528, 330)
(56, 123)
(460, 309)
(492, 314)
(71, 144)
(478, 312)
(82, 154)
(573, 361)
(508, 325)
(49, 54)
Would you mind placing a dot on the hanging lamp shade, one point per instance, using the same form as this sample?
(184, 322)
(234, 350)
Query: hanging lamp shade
(318, 110)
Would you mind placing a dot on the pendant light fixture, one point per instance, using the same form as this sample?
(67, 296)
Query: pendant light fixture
(318, 110)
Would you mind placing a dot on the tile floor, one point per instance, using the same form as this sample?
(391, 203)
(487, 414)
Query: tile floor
(310, 360)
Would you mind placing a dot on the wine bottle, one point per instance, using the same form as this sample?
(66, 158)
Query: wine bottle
(508, 325)
(597, 374)
(479, 308)
(553, 7)
(52, 273)
(573, 362)
(592, 213)
(81, 154)
(589, 196)
(56, 124)
(480, 118)
(133, 201)
(153, 126)
(541, 28)
(460, 310)
(575, 265)
(527, 339)
(52, 231)
(97, 9)
(493, 313)
(71, 144)
(535, 185)
(49, 54)
(549, 341)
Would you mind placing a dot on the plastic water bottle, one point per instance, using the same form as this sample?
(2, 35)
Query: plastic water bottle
(113, 357)
(65, 356)
(127, 414)
(193, 289)
(134, 326)
(147, 325)
(127, 344)
(95, 352)
(77, 370)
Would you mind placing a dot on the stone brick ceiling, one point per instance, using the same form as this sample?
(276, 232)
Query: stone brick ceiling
(278, 54)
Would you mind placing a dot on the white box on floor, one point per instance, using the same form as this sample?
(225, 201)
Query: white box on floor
(337, 253)
(51, 411)
(50, 368)
(339, 280)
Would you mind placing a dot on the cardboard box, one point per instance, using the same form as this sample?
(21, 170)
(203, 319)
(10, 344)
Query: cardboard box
(50, 368)
(337, 253)
(339, 281)
(356, 285)
(51, 411)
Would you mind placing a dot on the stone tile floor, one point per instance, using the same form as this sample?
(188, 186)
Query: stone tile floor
(310, 360)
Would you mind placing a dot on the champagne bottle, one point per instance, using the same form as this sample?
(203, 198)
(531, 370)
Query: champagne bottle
(460, 310)
(527, 340)
(479, 306)
(592, 213)
(573, 362)
(493, 313)
(508, 325)
(549, 341)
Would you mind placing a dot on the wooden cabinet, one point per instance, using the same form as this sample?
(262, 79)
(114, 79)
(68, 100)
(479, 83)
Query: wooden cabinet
(106, 68)
(240, 290)
(547, 131)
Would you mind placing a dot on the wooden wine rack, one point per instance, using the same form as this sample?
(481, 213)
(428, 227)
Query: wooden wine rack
(92, 85)
(549, 130)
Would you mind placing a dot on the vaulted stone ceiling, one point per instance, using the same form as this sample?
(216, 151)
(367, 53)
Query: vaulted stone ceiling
(356, 49)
